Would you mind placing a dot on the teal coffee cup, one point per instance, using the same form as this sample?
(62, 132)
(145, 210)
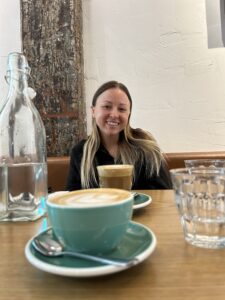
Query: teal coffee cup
(92, 220)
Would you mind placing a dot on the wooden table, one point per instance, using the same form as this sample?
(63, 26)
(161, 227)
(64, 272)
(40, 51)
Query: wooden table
(176, 270)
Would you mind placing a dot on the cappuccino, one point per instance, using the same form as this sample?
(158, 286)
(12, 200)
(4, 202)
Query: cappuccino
(91, 220)
(90, 197)
(115, 176)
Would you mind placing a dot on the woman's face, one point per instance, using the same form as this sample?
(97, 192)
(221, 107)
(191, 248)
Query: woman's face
(111, 112)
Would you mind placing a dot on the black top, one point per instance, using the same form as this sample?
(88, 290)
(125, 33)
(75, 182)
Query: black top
(102, 157)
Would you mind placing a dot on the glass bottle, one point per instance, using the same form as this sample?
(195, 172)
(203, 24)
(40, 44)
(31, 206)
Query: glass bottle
(23, 168)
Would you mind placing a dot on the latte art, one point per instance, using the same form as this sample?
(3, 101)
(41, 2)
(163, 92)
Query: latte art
(88, 198)
(90, 220)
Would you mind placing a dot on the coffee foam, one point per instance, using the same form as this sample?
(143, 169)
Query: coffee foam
(115, 170)
(90, 197)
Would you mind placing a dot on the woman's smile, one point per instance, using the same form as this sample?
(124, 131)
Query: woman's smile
(111, 112)
(112, 123)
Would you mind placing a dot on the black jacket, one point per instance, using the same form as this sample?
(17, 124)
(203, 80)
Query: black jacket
(102, 157)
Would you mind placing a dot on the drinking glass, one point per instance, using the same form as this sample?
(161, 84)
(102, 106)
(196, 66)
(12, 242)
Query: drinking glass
(194, 163)
(200, 199)
(115, 176)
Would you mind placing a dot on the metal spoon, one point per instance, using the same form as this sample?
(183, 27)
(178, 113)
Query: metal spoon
(135, 194)
(46, 245)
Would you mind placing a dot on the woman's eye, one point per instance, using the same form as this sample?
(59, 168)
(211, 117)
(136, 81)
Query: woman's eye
(122, 109)
(106, 106)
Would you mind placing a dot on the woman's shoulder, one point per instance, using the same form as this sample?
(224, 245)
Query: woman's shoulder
(78, 148)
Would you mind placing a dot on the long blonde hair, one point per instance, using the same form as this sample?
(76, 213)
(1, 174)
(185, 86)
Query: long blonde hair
(134, 145)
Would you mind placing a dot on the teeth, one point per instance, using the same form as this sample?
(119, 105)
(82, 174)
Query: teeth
(112, 123)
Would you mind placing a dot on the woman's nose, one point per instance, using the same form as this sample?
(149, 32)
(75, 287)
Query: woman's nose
(114, 112)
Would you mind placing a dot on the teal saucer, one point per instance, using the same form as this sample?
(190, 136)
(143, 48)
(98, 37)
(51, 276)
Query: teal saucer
(139, 242)
(141, 200)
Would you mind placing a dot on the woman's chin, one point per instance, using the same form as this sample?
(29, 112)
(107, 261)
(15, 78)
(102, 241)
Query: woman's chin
(111, 132)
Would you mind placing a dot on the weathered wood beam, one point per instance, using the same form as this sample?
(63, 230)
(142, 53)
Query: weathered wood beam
(52, 43)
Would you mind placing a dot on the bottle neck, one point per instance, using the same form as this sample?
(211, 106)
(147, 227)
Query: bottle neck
(17, 80)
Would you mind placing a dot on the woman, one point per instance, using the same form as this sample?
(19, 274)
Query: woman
(113, 141)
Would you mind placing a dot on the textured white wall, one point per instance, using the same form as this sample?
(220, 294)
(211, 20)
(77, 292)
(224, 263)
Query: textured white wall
(159, 50)
(10, 38)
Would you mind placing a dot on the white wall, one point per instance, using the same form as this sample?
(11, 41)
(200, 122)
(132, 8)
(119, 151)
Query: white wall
(10, 38)
(159, 50)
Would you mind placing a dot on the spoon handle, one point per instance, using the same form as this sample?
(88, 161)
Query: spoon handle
(45, 244)
(122, 262)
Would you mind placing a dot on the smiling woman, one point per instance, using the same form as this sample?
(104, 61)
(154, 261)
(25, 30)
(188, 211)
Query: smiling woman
(111, 113)
(114, 141)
